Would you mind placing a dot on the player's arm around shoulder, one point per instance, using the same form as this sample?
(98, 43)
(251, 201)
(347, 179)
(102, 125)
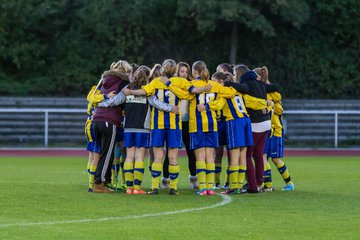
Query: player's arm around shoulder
(216, 105)
(255, 103)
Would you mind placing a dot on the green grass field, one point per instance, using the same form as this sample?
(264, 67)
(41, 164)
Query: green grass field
(46, 198)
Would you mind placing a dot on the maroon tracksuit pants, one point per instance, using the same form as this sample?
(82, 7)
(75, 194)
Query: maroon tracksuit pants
(255, 175)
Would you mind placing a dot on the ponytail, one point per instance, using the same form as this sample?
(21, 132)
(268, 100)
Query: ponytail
(205, 75)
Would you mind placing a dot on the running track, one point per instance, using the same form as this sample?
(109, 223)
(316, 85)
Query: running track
(83, 153)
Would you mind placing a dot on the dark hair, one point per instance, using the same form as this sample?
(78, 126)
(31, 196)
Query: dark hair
(155, 71)
(223, 76)
(140, 78)
(184, 64)
(240, 70)
(198, 66)
(134, 67)
(227, 67)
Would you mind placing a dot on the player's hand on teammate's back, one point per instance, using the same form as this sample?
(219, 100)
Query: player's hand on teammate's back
(208, 88)
(201, 107)
(175, 109)
(269, 102)
(111, 94)
(126, 91)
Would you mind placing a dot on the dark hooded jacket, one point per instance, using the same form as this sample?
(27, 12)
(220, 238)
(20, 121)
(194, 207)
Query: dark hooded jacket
(256, 89)
(112, 81)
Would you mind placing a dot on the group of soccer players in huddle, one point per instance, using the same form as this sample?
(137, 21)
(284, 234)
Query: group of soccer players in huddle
(134, 109)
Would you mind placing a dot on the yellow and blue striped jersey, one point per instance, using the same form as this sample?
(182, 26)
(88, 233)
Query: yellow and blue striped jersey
(206, 121)
(94, 97)
(235, 107)
(161, 119)
(276, 123)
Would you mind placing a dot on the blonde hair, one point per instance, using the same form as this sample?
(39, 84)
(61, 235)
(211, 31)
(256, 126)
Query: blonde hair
(168, 68)
(121, 66)
(263, 73)
(155, 71)
(200, 67)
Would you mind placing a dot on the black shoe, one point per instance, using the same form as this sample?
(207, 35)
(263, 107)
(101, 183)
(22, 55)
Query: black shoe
(173, 192)
(155, 191)
(229, 191)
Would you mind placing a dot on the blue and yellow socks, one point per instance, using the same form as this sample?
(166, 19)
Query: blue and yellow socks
(233, 176)
(156, 170)
(129, 174)
(201, 174)
(210, 175)
(284, 172)
(92, 171)
(138, 174)
(241, 176)
(174, 175)
(267, 175)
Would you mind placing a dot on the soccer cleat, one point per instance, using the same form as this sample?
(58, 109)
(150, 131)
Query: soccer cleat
(260, 189)
(90, 190)
(173, 192)
(210, 192)
(201, 192)
(100, 188)
(113, 187)
(269, 189)
(241, 191)
(289, 187)
(154, 191)
(165, 183)
(129, 191)
(139, 192)
(226, 186)
(217, 186)
(229, 191)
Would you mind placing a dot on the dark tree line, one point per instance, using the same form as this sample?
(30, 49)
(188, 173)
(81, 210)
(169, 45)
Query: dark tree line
(60, 48)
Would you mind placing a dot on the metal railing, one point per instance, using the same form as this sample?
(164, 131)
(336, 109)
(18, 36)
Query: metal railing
(322, 112)
(46, 112)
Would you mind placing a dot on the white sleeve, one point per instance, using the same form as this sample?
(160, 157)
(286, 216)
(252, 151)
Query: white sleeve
(155, 102)
(114, 101)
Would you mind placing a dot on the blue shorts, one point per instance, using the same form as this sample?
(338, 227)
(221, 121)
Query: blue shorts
(204, 139)
(267, 143)
(91, 146)
(239, 133)
(136, 139)
(275, 147)
(222, 132)
(172, 137)
(120, 137)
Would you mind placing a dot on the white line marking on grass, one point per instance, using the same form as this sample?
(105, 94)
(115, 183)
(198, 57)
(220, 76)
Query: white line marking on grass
(226, 200)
